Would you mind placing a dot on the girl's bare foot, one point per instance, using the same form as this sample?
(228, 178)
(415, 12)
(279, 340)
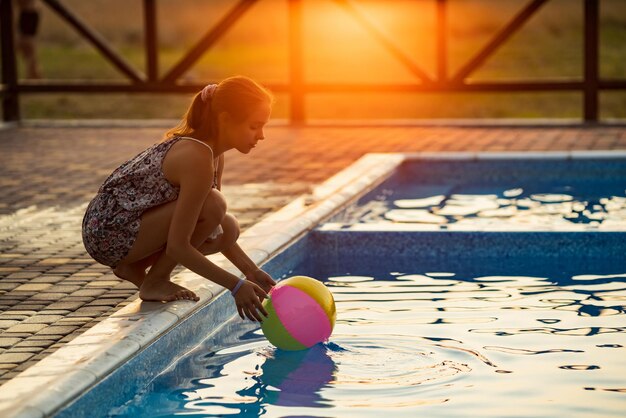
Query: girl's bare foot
(131, 272)
(165, 291)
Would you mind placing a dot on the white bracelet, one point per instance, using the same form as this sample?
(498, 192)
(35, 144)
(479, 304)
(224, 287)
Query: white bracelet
(237, 286)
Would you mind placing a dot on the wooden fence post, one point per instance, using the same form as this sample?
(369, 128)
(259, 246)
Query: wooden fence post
(150, 36)
(10, 99)
(442, 44)
(591, 60)
(296, 67)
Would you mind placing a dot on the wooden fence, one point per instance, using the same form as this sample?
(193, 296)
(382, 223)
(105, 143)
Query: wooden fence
(297, 86)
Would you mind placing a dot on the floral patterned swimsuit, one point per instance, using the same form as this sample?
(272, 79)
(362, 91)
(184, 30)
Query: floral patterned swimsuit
(112, 219)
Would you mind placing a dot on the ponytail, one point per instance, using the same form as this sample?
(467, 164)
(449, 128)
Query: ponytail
(239, 96)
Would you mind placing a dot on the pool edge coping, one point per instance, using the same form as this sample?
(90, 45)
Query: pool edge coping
(55, 381)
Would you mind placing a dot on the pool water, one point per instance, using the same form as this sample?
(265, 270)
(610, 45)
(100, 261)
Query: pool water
(539, 195)
(472, 341)
(480, 207)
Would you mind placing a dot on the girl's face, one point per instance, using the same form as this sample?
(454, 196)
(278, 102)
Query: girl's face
(244, 135)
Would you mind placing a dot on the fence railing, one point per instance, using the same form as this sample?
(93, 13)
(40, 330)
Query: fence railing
(297, 86)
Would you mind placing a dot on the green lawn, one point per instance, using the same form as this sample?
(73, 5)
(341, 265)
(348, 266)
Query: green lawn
(337, 49)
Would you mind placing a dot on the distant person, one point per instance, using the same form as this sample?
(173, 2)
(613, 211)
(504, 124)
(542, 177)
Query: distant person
(164, 206)
(28, 24)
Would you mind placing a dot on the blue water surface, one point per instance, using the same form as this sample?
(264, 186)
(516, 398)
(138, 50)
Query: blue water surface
(409, 342)
(496, 195)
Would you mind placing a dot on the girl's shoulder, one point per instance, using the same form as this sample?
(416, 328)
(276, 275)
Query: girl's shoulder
(187, 157)
(187, 145)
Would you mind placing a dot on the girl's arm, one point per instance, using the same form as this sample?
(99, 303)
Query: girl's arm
(195, 175)
(240, 259)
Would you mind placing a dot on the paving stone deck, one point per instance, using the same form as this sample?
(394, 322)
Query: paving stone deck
(51, 290)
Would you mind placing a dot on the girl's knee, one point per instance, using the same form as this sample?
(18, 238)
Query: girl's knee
(226, 240)
(214, 207)
(231, 230)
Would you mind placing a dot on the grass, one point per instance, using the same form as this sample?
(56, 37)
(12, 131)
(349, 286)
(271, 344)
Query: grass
(337, 49)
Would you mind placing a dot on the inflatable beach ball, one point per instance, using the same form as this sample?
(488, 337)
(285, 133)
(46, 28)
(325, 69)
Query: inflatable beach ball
(301, 313)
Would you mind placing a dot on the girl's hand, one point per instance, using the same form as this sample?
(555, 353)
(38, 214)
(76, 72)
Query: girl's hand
(261, 278)
(248, 300)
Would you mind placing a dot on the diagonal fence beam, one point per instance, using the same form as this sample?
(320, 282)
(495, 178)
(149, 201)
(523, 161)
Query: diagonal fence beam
(498, 40)
(208, 40)
(384, 40)
(96, 40)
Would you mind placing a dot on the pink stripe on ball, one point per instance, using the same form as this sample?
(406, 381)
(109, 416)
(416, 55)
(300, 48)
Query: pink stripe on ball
(301, 315)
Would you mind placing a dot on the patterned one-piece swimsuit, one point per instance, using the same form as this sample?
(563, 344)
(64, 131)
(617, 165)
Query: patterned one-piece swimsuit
(112, 218)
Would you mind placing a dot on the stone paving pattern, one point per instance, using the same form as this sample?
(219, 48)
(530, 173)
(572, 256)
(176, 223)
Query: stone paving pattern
(51, 290)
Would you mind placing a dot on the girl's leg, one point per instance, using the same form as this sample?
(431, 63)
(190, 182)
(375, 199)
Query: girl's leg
(164, 265)
(225, 240)
(136, 272)
(149, 246)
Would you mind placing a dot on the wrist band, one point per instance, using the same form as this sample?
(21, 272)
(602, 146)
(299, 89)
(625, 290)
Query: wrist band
(237, 286)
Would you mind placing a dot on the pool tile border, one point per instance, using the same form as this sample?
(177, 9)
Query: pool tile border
(56, 380)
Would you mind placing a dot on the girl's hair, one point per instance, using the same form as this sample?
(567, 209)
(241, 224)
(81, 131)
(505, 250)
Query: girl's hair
(239, 96)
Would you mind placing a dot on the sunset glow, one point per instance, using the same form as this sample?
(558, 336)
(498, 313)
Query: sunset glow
(363, 42)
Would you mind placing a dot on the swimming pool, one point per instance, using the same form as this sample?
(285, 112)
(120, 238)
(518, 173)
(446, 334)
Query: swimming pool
(454, 318)
(422, 335)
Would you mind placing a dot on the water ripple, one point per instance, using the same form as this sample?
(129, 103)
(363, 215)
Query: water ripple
(577, 332)
(528, 352)
(397, 362)
(580, 367)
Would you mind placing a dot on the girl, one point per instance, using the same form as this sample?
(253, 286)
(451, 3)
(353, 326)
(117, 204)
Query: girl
(164, 206)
